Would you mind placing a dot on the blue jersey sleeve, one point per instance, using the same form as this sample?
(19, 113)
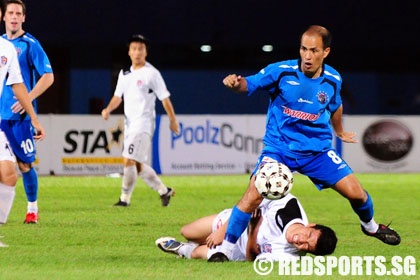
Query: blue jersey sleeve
(34, 63)
(336, 80)
(266, 79)
(40, 60)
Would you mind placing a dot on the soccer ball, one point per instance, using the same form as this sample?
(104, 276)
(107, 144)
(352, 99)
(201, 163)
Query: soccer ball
(274, 180)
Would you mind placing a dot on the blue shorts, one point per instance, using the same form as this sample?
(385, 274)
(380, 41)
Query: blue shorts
(324, 169)
(20, 136)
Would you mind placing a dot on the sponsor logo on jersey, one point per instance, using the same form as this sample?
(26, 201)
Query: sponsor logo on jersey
(293, 83)
(19, 51)
(300, 115)
(301, 100)
(322, 97)
(266, 248)
(3, 60)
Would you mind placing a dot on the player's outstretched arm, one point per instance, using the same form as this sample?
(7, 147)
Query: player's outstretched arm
(237, 83)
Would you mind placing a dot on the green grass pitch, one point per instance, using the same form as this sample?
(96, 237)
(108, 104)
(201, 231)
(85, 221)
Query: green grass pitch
(80, 235)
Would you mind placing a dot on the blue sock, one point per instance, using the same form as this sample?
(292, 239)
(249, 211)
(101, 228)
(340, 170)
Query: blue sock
(365, 211)
(238, 222)
(30, 182)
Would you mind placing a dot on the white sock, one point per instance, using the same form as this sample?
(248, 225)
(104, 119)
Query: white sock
(33, 207)
(7, 196)
(370, 226)
(187, 249)
(128, 183)
(151, 179)
(227, 248)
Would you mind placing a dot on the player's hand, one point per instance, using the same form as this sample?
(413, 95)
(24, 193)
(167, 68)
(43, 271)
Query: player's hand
(232, 81)
(256, 219)
(17, 108)
(105, 114)
(174, 126)
(347, 137)
(39, 130)
(215, 238)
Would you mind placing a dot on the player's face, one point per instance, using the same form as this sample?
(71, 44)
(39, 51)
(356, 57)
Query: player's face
(305, 239)
(14, 18)
(137, 52)
(312, 54)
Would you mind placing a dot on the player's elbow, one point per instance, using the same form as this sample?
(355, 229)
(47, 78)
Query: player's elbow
(49, 79)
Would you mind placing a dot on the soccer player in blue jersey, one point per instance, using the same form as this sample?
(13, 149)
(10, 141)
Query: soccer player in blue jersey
(304, 108)
(10, 76)
(38, 77)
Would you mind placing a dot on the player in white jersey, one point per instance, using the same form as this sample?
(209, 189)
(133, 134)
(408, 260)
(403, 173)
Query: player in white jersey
(279, 229)
(139, 86)
(10, 75)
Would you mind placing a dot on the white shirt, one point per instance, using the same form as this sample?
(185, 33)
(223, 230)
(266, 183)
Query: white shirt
(278, 215)
(9, 63)
(139, 88)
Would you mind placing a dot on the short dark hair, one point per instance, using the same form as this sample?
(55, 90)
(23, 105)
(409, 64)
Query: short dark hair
(327, 241)
(19, 2)
(138, 38)
(321, 31)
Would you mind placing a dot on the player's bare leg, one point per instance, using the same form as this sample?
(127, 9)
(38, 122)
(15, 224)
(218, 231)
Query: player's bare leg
(362, 205)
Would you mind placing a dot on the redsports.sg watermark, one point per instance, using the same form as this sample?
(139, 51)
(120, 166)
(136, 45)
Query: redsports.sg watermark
(343, 265)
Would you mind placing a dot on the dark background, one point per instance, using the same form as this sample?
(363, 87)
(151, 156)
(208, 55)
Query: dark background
(376, 48)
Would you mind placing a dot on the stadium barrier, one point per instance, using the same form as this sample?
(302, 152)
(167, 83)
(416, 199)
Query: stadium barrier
(214, 144)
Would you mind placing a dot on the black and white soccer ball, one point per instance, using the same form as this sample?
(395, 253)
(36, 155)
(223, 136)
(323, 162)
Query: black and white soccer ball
(274, 180)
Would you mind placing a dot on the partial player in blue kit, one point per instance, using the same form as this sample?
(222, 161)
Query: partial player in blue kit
(10, 75)
(38, 77)
(305, 107)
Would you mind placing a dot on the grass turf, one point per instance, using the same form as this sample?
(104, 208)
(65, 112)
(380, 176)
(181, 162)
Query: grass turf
(80, 235)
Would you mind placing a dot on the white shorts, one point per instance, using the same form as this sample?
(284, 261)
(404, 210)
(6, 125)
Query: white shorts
(222, 217)
(6, 152)
(137, 146)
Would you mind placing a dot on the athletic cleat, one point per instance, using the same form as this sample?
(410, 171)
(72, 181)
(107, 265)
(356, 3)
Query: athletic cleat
(121, 203)
(167, 196)
(169, 245)
(218, 257)
(385, 234)
(31, 218)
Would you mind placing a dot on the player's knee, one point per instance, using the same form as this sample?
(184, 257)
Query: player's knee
(184, 232)
(357, 193)
(357, 197)
(10, 178)
(189, 232)
(351, 188)
(24, 167)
